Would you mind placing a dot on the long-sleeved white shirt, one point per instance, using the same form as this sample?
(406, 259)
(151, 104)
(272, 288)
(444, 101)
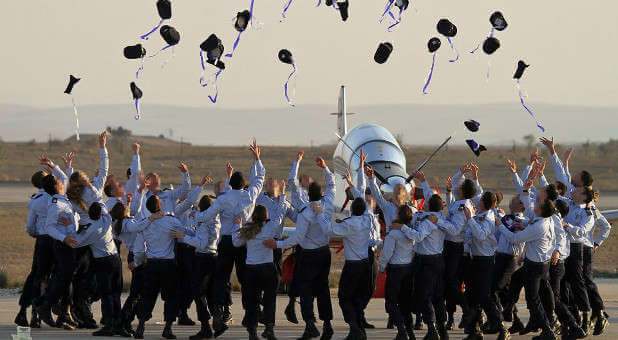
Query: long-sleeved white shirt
(60, 207)
(538, 236)
(482, 228)
(298, 194)
(168, 197)
(37, 213)
(97, 234)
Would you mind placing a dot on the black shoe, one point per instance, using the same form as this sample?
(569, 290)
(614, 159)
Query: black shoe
(474, 336)
(401, 333)
(21, 319)
(204, 333)
(253, 334)
(167, 332)
(66, 318)
(517, 326)
(367, 325)
(139, 331)
(244, 321)
(327, 331)
(600, 325)
(586, 326)
(418, 325)
(410, 332)
(219, 327)
(450, 322)
(575, 333)
(290, 313)
(89, 324)
(184, 319)
(432, 333)
(545, 335)
(261, 318)
(503, 334)
(389, 323)
(310, 331)
(35, 322)
(128, 328)
(227, 315)
(269, 333)
(442, 332)
(120, 330)
(105, 331)
(44, 311)
(65, 326)
(492, 329)
(530, 328)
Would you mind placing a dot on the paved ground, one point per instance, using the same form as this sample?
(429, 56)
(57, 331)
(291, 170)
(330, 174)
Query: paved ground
(285, 330)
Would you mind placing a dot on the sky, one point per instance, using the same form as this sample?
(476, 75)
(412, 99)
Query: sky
(571, 46)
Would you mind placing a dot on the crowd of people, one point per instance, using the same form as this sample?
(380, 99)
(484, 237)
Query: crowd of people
(437, 253)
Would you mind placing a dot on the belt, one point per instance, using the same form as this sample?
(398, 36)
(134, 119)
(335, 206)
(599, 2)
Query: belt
(315, 250)
(259, 265)
(402, 265)
(432, 256)
(159, 260)
(356, 261)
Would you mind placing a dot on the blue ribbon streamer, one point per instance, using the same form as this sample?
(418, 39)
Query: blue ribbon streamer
(319, 3)
(251, 13)
(138, 113)
(229, 55)
(161, 50)
(214, 100)
(203, 82)
(389, 5)
(433, 62)
(285, 86)
(285, 9)
(521, 99)
(491, 34)
(453, 49)
(139, 69)
(146, 36)
(76, 118)
(397, 21)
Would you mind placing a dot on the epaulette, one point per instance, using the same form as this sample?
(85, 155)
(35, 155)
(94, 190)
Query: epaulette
(481, 218)
(35, 196)
(347, 218)
(83, 227)
(170, 214)
(461, 207)
(588, 212)
(303, 209)
(166, 189)
(54, 200)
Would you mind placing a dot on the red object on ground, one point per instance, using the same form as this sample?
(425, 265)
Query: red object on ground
(380, 283)
(287, 269)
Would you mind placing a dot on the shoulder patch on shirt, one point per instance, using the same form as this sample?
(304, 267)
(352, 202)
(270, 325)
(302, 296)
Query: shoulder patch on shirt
(54, 200)
(461, 207)
(35, 196)
(166, 189)
(303, 209)
(83, 227)
(481, 218)
(170, 214)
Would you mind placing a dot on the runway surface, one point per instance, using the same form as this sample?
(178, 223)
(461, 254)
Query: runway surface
(283, 329)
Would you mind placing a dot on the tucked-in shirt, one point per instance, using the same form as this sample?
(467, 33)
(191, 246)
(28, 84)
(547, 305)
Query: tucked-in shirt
(482, 228)
(97, 234)
(397, 249)
(580, 224)
(156, 241)
(507, 247)
(168, 197)
(355, 231)
(235, 202)
(309, 233)
(428, 237)
(539, 238)
(358, 191)
(561, 241)
(457, 216)
(37, 213)
(60, 207)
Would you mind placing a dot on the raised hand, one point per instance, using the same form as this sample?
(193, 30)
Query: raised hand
(229, 169)
(183, 167)
(363, 158)
(449, 184)
(136, 147)
(255, 150)
(475, 171)
(102, 139)
(419, 175)
(320, 162)
(567, 156)
(68, 159)
(512, 166)
(299, 156)
(549, 143)
(369, 172)
(44, 160)
(534, 155)
(205, 180)
(348, 178)
(527, 185)
(282, 186)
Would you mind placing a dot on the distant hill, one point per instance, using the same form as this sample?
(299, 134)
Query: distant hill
(501, 123)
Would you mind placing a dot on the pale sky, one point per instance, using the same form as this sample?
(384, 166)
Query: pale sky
(571, 46)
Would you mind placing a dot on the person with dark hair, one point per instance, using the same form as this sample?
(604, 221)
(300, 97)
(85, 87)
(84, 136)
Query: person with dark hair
(482, 230)
(96, 232)
(273, 195)
(315, 256)
(35, 223)
(262, 278)
(454, 259)
(427, 233)
(539, 237)
(355, 281)
(396, 261)
(235, 202)
(154, 246)
(116, 192)
(299, 195)
(168, 197)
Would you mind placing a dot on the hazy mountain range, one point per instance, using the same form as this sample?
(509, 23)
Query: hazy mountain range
(501, 123)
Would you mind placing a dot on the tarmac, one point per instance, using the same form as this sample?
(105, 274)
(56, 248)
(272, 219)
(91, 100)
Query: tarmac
(285, 330)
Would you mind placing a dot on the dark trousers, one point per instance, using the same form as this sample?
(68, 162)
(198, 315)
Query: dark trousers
(293, 286)
(228, 256)
(202, 284)
(429, 288)
(482, 273)
(398, 293)
(42, 264)
(109, 283)
(129, 309)
(556, 274)
(453, 275)
(84, 285)
(354, 285)
(261, 283)
(575, 275)
(159, 277)
(536, 272)
(184, 261)
(64, 265)
(313, 283)
(596, 302)
(504, 267)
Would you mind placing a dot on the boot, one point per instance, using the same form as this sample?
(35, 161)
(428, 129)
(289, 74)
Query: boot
(503, 334)
(432, 332)
(327, 331)
(600, 324)
(253, 333)
(530, 328)
(167, 331)
(21, 319)
(269, 332)
(442, 331)
(517, 325)
(204, 333)
(120, 330)
(450, 322)
(367, 325)
(127, 327)
(35, 322)
(218, 322)
(184, 319)
(290, 312)
(389, 323)
(44, 311)
(106, 330)
(139, 331)
(66, 318)
(546, 334)
(227, 315)
(310, 331)
(419, 322)
(586, 323)
(401, 333)
(410, 331)
(575, 332)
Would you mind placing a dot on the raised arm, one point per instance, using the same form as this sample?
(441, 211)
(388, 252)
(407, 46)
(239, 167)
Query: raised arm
(184, 188)
(427, 190)
(329, 192)
(31, 220)
(533, 231)
(136, 170)
(302, 226)
(99, 181)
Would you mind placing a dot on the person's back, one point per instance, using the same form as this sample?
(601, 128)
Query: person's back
(97, 234)
(158, 238)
